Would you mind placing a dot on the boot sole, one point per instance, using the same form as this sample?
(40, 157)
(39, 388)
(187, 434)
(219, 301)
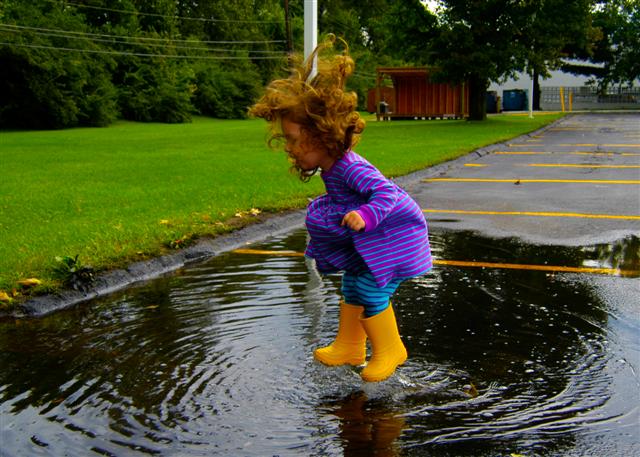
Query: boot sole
(338, 362)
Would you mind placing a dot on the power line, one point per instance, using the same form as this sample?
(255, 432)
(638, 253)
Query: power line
(128, 43)
(141, 54)
(23, 27)
(137, 13)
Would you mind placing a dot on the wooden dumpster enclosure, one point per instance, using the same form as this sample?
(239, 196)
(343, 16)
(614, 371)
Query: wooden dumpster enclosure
(416, 96)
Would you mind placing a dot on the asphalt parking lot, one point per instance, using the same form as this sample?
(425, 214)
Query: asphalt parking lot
(574, 183)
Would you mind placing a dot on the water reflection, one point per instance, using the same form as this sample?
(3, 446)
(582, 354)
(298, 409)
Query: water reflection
(216, 360)
(622, 254)
(366, 428)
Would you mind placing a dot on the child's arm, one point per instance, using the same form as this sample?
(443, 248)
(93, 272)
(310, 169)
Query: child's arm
(381, 194)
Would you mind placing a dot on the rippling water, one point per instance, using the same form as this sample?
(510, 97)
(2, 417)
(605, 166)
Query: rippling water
(216, 360)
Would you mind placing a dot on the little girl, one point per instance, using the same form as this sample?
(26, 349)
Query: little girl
(365, 225)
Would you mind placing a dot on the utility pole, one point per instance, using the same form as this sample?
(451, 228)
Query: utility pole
(533, 88)
(311, 31)
(287, 22)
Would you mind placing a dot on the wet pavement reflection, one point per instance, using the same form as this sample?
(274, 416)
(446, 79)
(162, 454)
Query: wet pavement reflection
(216, 360)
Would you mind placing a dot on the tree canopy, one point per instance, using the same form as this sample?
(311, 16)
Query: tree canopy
(72, 63)
(88, 62)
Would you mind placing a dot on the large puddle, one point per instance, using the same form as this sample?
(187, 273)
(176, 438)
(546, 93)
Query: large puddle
(216, 360)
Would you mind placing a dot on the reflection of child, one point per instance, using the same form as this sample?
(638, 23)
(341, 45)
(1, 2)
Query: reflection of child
(365, 225)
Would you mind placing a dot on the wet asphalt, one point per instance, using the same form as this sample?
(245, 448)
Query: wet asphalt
(574, 183)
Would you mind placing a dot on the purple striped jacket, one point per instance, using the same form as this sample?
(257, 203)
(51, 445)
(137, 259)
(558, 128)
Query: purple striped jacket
(395, 241)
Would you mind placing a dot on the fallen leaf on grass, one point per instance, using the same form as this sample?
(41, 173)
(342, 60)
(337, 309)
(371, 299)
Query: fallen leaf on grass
(252, 212)
(30, 282)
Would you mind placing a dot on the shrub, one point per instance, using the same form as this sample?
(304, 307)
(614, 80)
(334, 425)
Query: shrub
(225, 93)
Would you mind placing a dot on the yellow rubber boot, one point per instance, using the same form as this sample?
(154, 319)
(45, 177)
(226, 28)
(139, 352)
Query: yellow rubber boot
(386, 346)
(350, 345)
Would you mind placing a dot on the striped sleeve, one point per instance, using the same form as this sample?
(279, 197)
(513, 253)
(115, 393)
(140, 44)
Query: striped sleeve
(381, 193)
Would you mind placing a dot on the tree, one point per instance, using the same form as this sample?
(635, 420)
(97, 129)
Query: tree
(616, 50)
(479, 42)
(85, 63)
(556, 27)
(41, 87)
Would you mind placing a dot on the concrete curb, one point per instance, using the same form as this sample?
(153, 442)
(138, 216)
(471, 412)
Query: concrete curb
(205, 249)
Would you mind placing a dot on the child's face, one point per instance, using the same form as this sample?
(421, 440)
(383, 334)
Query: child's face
(306, 155)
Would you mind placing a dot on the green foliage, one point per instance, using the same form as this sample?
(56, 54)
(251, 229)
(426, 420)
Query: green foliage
(67, 65)
(73, 273)
(618, 43)
(156, 91)
(44, 88)
(87, 63)
(225, 93)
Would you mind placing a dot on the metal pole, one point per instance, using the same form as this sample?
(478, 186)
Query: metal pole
(311, 31)
(287, 21)
(531, 94)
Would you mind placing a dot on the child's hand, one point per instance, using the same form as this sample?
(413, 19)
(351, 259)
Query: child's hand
(354, 221)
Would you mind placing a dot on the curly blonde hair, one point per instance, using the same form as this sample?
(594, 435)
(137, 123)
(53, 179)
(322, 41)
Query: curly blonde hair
(318, 103)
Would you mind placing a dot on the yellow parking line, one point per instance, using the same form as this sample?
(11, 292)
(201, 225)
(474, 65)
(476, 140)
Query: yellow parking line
(522, 153)
(273, 253)
(559, 165)
(518, 180)
(580, 145)
(621, 154)
(575, 165)
(463, 263)
(551, 268)
(533, 213)
(610, 145)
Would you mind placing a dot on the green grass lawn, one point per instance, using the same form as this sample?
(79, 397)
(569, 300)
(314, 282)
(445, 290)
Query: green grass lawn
(123, 193)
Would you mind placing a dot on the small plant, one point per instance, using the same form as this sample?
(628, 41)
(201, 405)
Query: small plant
(182, 242)
(73, 274)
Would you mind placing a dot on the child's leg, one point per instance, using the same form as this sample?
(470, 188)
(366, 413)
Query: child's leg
(374, 299)
(349, 346)
(379, 323)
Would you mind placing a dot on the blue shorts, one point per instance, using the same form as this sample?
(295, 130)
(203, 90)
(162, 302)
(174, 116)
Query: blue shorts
(362, 290)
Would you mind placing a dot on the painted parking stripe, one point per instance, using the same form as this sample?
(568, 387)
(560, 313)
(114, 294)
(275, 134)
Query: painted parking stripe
(533, 214)
(549, 268)
(579, 145)
(272, 253)
(576, 165)
(473, 264)
(523, 181)
(583, 153)
(609, 145)
(558, 165)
